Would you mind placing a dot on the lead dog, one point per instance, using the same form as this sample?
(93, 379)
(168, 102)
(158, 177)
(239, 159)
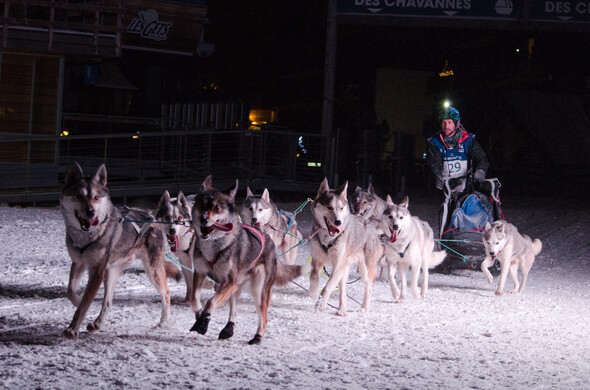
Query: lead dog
(261, 212)
(410, 244)
(340, 240)
(232, 254)
(99, 241)
(513, 250)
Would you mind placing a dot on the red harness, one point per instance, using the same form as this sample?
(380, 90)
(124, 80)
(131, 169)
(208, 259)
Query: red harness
(249, 228)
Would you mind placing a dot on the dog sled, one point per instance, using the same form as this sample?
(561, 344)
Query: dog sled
(463, 217)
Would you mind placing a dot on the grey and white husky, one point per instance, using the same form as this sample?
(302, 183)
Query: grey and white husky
(98, 240)
(513, 250)
(281, 226)
(409, 243)
(340, 240)
(370, 206)
(367, 203)
(174, 216)
(232, 254)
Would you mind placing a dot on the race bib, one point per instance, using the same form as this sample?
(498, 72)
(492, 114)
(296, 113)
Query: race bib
(455, 164)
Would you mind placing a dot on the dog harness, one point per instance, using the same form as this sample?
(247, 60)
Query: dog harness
(255, 232)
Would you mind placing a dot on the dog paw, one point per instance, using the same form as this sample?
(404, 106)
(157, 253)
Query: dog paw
(201, 324)
(228, 331)
(499, 293)
(399, 300)
(341, 313)
(320, 306)
(515, 291)
(70, 334)
(93, 327)
(256, 340)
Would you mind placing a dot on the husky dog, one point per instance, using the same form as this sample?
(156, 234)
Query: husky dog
(340, 240)
(410, 243)
(367, 203)
(370, 206)
(232, 254)
(174, 216)
(262, 213)
(99, 241)
(504, 243)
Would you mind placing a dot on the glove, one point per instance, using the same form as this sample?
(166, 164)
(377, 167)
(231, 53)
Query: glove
(479, 175)
(454, 183)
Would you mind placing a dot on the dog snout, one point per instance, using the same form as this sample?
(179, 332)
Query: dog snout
(254, 220)
(204, 218)
(172, 231)
(337, 222)
(395, 227)
(90, 211)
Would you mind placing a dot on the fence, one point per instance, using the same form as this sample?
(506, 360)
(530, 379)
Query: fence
(147, 161)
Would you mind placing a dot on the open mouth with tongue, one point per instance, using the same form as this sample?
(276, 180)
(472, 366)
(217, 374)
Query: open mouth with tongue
(393, 237)
(206, 230)
(333, 230)
(86, 223)
(173, 242)
(256, 225)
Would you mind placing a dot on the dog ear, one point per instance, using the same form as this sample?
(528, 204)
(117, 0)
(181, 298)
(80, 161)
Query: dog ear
(501, 227)
(323, 187)
(233, 190)
(265, 196)
(101, 175)
(165, 198)
(342, 191)
(74, 174)
(388, 200)
(206, 186)
(249, 192)
(371, 190)
(405, 202)
(488, 226)
(182, 199)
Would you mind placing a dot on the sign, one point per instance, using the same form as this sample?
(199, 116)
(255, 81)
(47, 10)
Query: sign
(148, 26)
(470, 9)
(562, 11)
(172, 27)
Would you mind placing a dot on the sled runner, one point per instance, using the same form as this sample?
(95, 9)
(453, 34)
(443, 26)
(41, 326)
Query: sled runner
(462, 219)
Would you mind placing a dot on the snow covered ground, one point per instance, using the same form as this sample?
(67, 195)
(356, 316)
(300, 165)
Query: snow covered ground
(461, 336)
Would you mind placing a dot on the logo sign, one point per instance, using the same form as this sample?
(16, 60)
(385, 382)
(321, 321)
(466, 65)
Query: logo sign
(470, 9)
(148, 26)
(574, 11)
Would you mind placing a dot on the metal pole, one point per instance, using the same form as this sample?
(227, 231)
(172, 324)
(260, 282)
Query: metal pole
(328, 100)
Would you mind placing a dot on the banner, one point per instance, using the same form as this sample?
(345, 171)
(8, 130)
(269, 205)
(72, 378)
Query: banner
(562, 11)
(470, 9)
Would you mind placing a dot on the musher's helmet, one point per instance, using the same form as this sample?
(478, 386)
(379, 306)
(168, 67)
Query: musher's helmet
(449, 113)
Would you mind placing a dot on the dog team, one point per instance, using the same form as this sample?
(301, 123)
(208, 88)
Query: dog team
(222, 246)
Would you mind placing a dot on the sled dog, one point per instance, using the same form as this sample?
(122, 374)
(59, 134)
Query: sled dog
(173, 216)
(98, 240)
(262, 213)
(409, 243)
(370, 206)
(340, 240)
(513, 250)
(231, 254)
(367, 203)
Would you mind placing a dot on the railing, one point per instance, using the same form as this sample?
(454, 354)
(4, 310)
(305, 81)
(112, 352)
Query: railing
(149, 161)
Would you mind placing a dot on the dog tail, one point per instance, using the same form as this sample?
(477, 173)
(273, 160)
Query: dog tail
(537, 246)
(172, 271)
(436, 258)
(286, 273)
